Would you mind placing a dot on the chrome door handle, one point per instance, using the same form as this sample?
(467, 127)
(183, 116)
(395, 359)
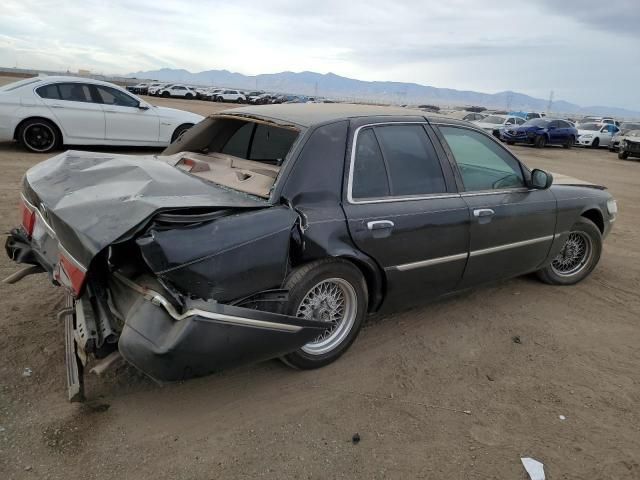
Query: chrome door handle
(56, 105)
(380, 225)
(483, 212)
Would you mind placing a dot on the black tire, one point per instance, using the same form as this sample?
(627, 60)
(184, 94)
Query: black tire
(595, 143)
(622, 155)
(218, 99)
(166, 94)
(541, 141)
(569, 143)
(188, 96)
(39, 135)
(177, 133)
(584, 230)
(510, 143)
(300, 283)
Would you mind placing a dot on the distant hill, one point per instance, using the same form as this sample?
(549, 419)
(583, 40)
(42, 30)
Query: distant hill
(335, 86)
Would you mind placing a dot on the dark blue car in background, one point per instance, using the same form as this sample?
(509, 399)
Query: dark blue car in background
(541, 132)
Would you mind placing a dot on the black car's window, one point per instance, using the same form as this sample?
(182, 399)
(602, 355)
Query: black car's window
(555, 124)
(519, 121)
(369, 173)
(49, 91)
(411, 160)
(259, 142)
(111, 96)
(270, 143)
(564, 124)
(483, 163)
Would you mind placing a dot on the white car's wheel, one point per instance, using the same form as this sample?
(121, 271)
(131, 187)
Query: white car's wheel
(39, 135)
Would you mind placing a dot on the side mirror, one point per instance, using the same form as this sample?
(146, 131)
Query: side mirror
(143, 106)
(540, 179)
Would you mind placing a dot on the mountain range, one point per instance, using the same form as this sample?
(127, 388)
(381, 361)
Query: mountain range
(334, 86)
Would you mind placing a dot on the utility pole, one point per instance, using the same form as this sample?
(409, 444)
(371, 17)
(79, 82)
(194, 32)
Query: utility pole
(550, 102)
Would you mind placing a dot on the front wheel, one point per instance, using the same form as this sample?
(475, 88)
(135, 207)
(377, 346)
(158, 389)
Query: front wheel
(578, 256)
(39, 135)
(166, 94)
(596, 143)
(178, 132)
(188, 96)
(541, 141)
(510, 143)
(622, 155)
(332, 291)
(569, 143)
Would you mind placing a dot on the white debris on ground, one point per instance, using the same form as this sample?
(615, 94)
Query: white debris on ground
(534, 468)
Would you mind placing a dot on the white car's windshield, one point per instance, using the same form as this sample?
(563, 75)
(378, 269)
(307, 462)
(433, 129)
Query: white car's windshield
(589, 126)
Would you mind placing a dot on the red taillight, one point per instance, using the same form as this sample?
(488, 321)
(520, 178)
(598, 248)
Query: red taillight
(28, 217)
(70, 274)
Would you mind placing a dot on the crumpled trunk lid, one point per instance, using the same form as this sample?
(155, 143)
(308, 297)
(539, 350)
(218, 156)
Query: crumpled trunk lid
(92, 200)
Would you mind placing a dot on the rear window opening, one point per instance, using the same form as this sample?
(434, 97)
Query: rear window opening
(241, 154)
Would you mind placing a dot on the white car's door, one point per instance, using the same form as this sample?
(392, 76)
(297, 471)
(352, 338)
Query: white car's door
(78, 113)
(125, 120)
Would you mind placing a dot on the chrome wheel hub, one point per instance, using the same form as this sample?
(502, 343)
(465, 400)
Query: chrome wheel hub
(332, 301)
(574, 256)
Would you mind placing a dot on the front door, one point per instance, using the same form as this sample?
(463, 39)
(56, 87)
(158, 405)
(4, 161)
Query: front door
(404, 212)
(512, 227)
(124, 120)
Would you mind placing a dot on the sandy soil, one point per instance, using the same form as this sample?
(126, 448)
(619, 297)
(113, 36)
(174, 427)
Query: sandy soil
(402, 387)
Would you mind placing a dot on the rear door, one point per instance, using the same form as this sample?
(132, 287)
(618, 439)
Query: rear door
(557, 134)
(403, 210)
(124, 120)
(512, 227)
(79, 114)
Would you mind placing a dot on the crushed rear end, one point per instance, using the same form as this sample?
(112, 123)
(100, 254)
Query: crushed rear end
(178, 284)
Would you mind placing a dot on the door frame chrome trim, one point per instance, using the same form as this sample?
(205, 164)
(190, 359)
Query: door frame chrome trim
(404, 198)
(508, 246)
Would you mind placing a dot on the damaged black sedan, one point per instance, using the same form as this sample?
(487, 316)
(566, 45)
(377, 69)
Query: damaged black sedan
(272, 231)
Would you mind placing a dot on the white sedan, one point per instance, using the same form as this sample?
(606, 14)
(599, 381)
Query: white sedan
(43, 113)
(596, 134)
(177, 90)
(495, 123)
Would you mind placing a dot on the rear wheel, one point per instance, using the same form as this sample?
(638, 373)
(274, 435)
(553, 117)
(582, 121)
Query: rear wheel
(332, 291)
(595, 143)
(577, 258)
(39, 135)
(178, 132)
(541, 141)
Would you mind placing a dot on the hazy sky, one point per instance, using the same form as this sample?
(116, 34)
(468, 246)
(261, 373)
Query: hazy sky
(588, 52)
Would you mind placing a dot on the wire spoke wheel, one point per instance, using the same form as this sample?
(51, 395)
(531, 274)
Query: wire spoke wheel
(39, 137)
(334, 302)
(574, 255)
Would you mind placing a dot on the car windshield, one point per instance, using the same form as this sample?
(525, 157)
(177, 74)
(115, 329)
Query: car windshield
(493, 119)
(589, 126)
(536, 122)
(18, 84)
(235, 153)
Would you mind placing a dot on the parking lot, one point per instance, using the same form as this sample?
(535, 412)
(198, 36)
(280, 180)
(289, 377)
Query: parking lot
(460, 388)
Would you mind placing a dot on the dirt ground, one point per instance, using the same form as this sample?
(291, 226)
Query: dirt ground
(403, 386)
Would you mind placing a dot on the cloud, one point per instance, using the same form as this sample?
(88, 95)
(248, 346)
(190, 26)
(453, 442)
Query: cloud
(489, 45)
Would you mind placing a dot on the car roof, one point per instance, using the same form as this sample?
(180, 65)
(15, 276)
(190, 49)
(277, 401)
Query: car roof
(309, 114)
(65, 78)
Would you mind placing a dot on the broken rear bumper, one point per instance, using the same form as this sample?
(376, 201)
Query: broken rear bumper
(206, 338)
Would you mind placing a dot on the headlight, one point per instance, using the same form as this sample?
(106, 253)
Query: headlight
(612, 206)
(587, 136)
